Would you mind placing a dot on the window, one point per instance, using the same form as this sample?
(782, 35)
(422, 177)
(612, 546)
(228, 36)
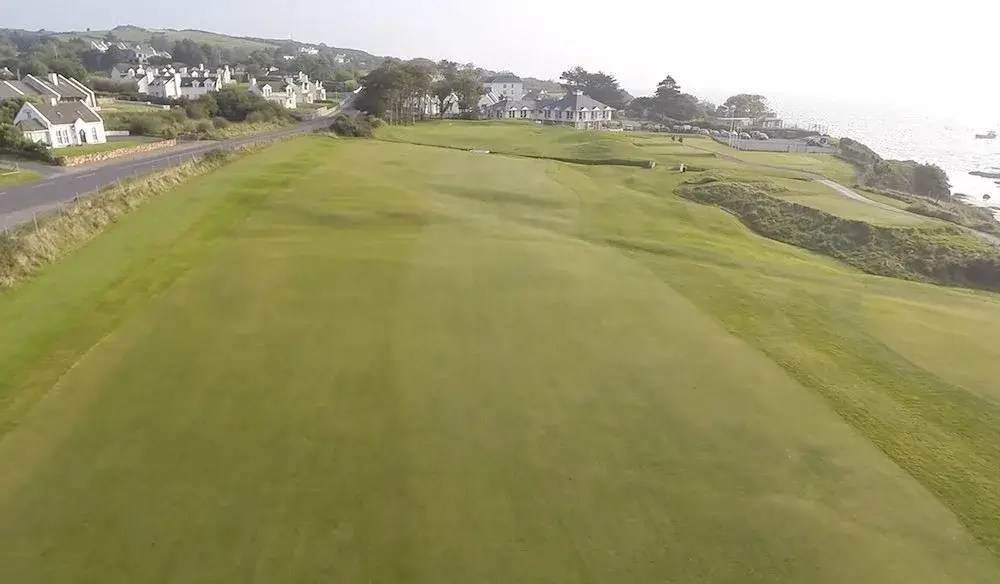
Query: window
(93, 132)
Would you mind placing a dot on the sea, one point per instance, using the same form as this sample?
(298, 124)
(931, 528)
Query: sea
(901, 132)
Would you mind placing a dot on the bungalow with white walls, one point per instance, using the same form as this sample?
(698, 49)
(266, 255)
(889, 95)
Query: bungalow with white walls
(282, 92)
(61, 124)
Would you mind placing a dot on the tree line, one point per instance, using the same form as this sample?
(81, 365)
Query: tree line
(402, 92)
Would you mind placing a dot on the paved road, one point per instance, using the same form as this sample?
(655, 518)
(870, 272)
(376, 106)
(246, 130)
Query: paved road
(18, 204)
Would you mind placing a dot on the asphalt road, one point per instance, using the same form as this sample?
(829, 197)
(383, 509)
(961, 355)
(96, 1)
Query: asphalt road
(19, 204)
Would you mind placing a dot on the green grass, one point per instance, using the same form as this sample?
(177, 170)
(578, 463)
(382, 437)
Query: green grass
(130, 106)
(9, 178)
(136, 35)
(95, 148)
(358, 361)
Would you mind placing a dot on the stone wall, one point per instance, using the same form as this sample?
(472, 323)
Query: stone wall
(109, 154)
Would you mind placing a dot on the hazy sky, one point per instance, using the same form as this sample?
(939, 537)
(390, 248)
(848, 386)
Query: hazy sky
(910, 53)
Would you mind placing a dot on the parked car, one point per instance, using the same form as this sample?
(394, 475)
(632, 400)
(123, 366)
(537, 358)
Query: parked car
(704, 132)
(745, 136)
(760, 136)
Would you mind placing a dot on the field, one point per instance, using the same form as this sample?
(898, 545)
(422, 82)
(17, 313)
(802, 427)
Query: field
(141, 35)
(370, 361)
(9, 178)
(95, 148)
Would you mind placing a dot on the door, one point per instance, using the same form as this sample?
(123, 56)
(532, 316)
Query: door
(83, 136)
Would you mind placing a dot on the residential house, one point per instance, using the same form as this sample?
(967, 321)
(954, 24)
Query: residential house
(279, 91)
(100, 46)
(506, 85)
(6, 73)
(52, 89)
(308, 91)
(309, 50)
(340, 58)
(181, 87)
(164, 83)
(575, 109)
(61, 124)
(140, 53)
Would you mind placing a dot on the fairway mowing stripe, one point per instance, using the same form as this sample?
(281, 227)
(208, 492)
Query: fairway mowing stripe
(15, 447)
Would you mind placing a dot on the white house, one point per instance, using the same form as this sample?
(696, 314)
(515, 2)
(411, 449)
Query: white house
(61, 124)
(51, 89)
(309, 50)
(100, 46)
(163, 83)
(308, 91)
(576, 109)
(506, 85)
(176, 87)
(281, 92)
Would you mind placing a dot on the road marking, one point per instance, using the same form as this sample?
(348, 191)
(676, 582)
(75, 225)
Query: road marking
(86, 175)
(39, 186)
(3, 193)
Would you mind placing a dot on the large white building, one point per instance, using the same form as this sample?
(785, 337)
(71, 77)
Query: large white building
(575, 109)
(283, 92)
(506, 85)
(61, 124)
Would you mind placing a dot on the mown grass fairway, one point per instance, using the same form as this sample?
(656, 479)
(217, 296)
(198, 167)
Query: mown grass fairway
(363, 361)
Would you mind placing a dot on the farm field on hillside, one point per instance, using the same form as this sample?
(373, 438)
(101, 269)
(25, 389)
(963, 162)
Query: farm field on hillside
(363, 361)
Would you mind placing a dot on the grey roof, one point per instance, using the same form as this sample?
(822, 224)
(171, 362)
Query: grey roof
(66, 89)
(503, 78)
(66, 112)
(571, 101)
(12, 88)
(30, 125)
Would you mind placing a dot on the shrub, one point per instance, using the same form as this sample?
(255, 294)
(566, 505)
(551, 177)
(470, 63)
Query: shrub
(256, 117)
(146, 125)
(204, 126)
(220, 123)
(355, 127)
(178, 115)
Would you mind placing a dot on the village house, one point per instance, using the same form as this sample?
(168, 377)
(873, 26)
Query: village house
(281, 91)
(308, 91)
(575, 109)
(174, 82)
(52, 89)
(60, 124)
(309, 50)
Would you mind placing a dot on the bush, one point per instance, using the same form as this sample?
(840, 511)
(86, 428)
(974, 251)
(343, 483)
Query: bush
(13, 142)
(356, 127)
(178, 115)
(220, 123)
(204, 126)
(256, 117)
(146, 125)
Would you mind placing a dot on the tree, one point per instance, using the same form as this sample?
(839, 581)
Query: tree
(600, 86)
(670, 103)
(746, 105)
(160, 42)
(930, 180)
(9, 109)
(397, 91)
(469, 90)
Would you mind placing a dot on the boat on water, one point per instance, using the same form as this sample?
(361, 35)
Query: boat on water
(991, 135)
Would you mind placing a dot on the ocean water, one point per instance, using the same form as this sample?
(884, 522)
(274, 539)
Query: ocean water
(902, 133)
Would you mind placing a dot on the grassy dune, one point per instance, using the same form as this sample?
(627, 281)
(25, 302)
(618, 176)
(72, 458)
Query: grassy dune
(360, 361)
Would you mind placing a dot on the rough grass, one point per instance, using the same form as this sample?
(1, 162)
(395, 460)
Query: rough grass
(345, 360)
(26, 249)
(942, 254)
(9, 178)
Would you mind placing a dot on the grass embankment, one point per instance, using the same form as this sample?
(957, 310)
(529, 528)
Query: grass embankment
(942, 254)
(10, 178)
(347, 360)
(26, 249)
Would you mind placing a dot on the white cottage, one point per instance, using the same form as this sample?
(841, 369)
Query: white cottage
(61, 124)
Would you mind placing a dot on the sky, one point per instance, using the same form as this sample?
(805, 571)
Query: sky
(911, 54)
